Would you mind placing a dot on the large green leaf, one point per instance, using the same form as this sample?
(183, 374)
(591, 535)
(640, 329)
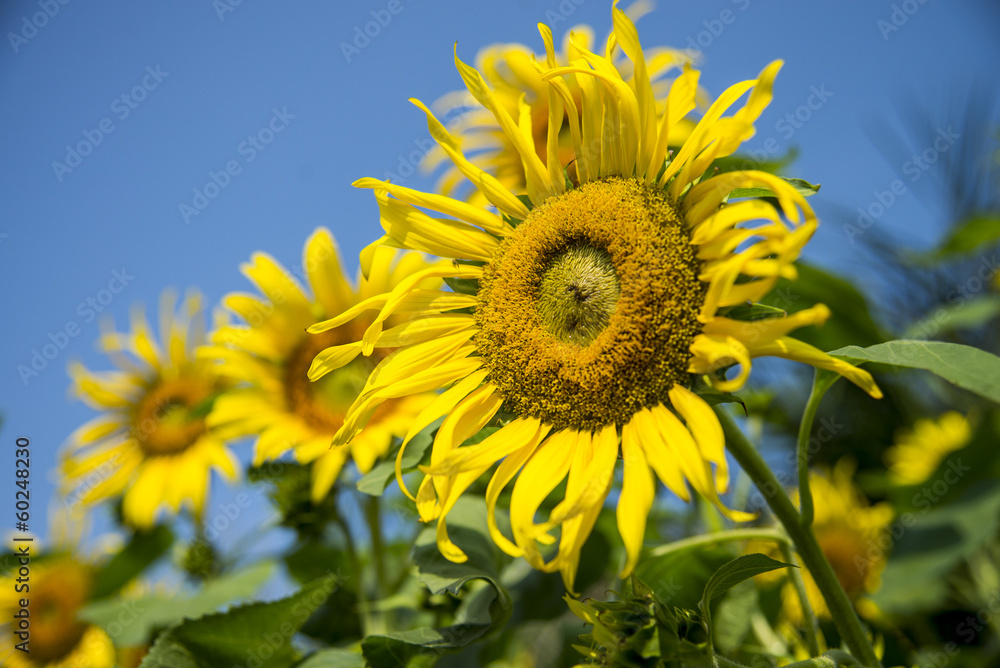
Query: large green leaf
(143, 549)
(967, 367)
(257, 633)
(131, 622)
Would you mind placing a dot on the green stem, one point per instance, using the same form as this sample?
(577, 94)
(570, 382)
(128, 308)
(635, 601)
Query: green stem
(822, 381)
(367, 626)
(800, 589)
(729, 536)
(373, 515)
(840, 606)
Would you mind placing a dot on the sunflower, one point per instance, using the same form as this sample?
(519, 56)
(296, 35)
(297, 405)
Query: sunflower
(509, 68)
(269, 357)
(151, 444)
(595, 306)
(919, 451)
(853, 535)
(60, 585)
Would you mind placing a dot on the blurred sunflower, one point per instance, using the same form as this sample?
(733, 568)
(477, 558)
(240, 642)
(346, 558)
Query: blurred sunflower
(510, 70)
(853, 535)
(919, 451)
(593, 305)
(270, 355)
(60, 586)
(151, 444)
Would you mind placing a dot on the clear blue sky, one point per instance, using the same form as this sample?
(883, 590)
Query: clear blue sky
(208, 78)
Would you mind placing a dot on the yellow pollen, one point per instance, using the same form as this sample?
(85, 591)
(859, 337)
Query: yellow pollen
(587, 312)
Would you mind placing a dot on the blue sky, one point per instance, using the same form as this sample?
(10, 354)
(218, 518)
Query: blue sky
(169, 94)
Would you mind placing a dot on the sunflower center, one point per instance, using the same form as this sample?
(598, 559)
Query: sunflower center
(588, 310)
(56, 597)
(323, 403)
(842, 547)
(169, 418)
(578, 294)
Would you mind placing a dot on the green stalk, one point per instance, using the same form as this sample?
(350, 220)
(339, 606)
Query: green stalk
(822, 381)
(841, 610)
(373, 515)
(729, 536)
(800, 589)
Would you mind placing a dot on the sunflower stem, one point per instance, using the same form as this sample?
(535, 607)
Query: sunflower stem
(367, 625)
(374, 517)
(822, 381)
(841, 610)
(812, 625)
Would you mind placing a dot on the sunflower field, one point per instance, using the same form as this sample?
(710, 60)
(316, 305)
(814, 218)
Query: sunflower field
(594, 377)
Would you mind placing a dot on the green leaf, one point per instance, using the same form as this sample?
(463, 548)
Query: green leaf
(258, 633)
(736, 571)
(731, 574)
(953, 317)
(482, 609)
(333, 658)
(733, 617)
(467, 529)
(967, 367)
(142, 550)
(679, 578)
(131, 622)
(971, 234)
(752, 312)
(803, 187)
(465, 286)
(935, 542)
(375, 481)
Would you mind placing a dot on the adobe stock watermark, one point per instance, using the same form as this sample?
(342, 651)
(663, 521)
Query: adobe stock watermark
(31, 25)
(248, 149)
(898, 17)
(363, 35)
(959, 295)
(714, 28)
(914, 168)
(223, 7)
(122, 106)
(56, 342)
(923, 499)
(788, 125)
(562, 12)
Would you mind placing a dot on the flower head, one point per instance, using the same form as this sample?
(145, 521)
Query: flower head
(852, 535)
(510, 70)
(151, 444)
(269, 355)
(60, 586)
(596, 302)
(919, 451)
